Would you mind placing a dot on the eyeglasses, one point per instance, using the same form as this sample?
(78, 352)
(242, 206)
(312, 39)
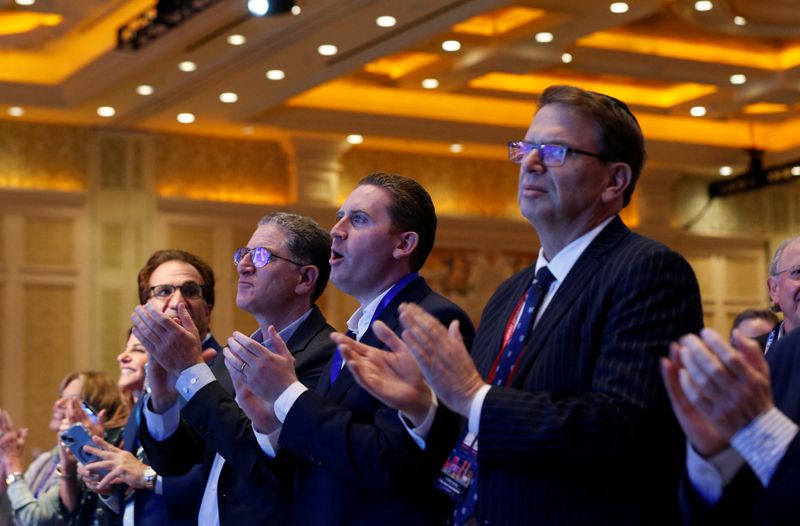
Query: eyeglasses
(260, 256)
(794, 272)
(189, 290)
(549, 154)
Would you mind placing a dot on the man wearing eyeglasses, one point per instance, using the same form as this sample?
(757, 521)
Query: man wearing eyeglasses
(568, 420)
(282, 271)
(783, 285)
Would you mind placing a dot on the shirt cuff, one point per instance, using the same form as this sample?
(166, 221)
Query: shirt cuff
(158, 489)
(710, 476)
(475, 409)
(764, 441)
(192, 379)
(268, 442)
(420, 433)
(287, 399)
(161, 426)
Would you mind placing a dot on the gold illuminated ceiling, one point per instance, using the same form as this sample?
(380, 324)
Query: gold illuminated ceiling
(59, 64)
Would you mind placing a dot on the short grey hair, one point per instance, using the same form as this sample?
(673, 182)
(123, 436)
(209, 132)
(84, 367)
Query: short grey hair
(773, 266)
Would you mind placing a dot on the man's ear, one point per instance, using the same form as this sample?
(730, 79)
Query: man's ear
(307, 280)
(619, 178)
(407, 242)
(772, 288)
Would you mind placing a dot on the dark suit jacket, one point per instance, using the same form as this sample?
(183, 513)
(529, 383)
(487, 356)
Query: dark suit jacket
(745, 500)
(247, 491)
(584, 433)
(357, 463)
(150, 508)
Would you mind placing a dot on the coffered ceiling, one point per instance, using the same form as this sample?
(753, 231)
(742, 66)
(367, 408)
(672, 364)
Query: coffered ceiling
(399, 89)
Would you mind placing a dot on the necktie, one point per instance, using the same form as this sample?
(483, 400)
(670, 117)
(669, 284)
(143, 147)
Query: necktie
(510, 354)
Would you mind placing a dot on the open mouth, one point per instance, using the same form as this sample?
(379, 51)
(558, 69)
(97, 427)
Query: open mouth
(335, 256)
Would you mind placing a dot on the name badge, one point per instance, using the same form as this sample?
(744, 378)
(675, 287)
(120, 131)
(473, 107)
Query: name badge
(460, 468)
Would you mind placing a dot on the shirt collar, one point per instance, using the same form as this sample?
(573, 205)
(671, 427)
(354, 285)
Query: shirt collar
(359, 321)
(563, 262)
(286, 333)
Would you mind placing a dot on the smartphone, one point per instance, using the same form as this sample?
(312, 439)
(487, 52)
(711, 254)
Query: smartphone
(91, 413)
(77, 436)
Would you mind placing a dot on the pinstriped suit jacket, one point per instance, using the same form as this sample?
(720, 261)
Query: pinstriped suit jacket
(584, 434)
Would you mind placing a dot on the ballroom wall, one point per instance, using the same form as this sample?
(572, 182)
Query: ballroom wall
(82, 209)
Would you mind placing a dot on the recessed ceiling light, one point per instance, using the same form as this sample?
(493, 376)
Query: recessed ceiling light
(187, 66)
(144, 90)
(185, 118)
(618, 7)
(738, 78)
(740, 21)
(276, 74)
(703, 5)
(386, 21)
(456, 148)
(296, 10)
(725, 171)
(25, 2)
(355, 138)
(566, 58)
(451, 45)
(258, 7)
(327, 50)
(697, 111)
(16, 111)
(248, 130)
(544, 37)
(795, 171)
(236, 40)
(106, 111)
(228, 97)
(430, 83)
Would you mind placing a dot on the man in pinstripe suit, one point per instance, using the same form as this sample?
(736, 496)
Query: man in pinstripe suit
(580, 430)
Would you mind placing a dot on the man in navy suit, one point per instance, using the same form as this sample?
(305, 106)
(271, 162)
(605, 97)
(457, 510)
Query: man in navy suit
(358, 462)
(740, 416)
(282, 271)
(562, 395)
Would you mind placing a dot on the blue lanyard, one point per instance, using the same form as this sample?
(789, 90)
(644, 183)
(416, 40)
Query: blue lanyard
(392, 294)
(772, 337)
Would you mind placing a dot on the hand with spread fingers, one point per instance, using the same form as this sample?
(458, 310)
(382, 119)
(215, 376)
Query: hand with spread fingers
(442, 356)
(116, 467)
(174, 343)
(729, 386)
(259, 411)
(393, 377)
(12, 447)
(699, 431)
(266, 373)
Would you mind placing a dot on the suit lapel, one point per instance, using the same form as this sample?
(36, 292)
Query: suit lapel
(412, 293)
(588, 265)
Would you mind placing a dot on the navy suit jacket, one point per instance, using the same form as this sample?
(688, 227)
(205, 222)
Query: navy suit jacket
(357, 463)
(745, 500)
(247, 492)
(584, 433)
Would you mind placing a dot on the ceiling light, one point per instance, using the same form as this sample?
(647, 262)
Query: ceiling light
(451, 45)
(738, 79)
(544, 37)
(270, 7)
(187, 66)
(16, 111)
(258, 7)
(236, 40)
(430, 83)
(185, 118)
(703, 5)
(296, 10)
(386, 21)
(618, 7)
(276, 74)
(740, 21)
(795, 171)
(248, 130)
(725, 171)
(697, 111)
(24, 2)
(566, 58)
(327, 50)
(106, 111)
(228, 97)
(144, 90)
(456, 148)
(355, 138)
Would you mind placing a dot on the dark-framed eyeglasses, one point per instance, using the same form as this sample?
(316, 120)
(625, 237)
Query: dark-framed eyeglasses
(260, 256)
(793, 272)
(549, 154)
(189, 290)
